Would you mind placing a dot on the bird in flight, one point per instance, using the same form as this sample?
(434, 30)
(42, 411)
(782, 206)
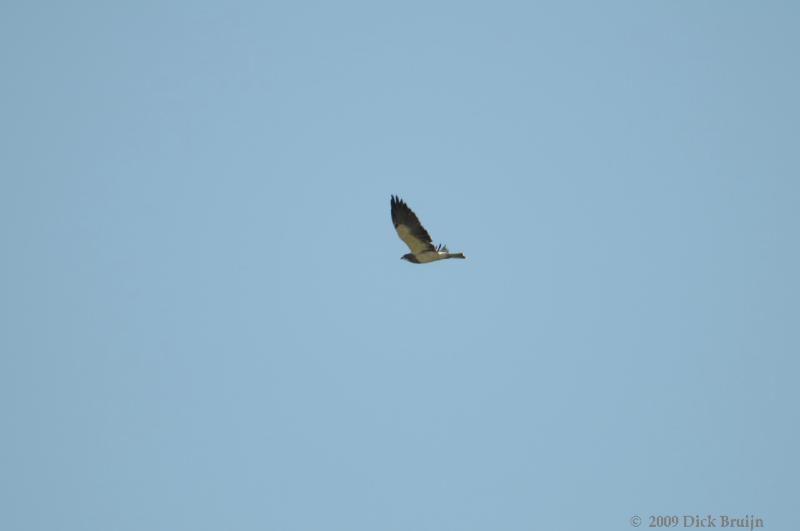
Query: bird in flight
(416, 237)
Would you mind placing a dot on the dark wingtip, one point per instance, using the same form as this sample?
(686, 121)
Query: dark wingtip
(396, 202)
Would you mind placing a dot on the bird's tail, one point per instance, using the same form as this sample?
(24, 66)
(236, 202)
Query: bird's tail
(456, 255)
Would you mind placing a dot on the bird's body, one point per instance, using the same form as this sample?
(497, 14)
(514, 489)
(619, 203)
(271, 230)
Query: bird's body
(419, 242)
(426, 257)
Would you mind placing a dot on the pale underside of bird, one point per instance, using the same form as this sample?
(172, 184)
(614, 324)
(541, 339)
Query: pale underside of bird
(416, 237)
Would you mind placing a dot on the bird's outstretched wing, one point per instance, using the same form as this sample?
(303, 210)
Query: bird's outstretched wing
(409, 228)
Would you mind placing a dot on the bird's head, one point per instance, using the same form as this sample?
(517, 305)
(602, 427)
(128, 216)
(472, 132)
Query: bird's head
(410, 258)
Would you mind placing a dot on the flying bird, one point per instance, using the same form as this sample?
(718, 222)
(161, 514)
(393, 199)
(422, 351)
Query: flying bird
(416, 237)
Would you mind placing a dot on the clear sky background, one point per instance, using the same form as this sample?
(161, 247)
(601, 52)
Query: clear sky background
(205, 323)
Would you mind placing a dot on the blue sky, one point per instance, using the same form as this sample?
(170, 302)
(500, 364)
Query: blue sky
(205, 323)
